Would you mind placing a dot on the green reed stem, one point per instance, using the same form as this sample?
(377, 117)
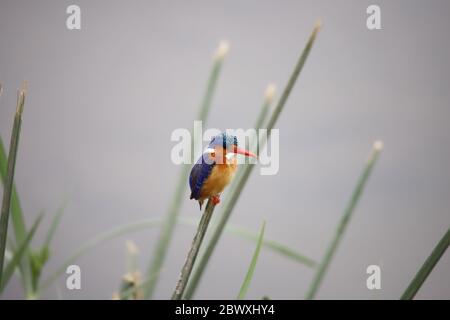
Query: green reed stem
(231, 201)
(193, 252)
(171, 217)
(18, 222)
(254, 143)
(251, 269)
(427, 267)
(8, 187)
(356, 195)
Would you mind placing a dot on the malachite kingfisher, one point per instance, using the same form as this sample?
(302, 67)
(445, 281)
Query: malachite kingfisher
(215, 168)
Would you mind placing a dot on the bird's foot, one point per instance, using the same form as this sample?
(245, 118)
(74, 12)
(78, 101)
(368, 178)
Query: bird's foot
(215, 199)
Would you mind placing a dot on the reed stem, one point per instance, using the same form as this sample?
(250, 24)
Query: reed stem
(251, 269)
(193, 252)
(8, 186)
(427, 267)
(377, 147)
(171, 217)
(231, 201)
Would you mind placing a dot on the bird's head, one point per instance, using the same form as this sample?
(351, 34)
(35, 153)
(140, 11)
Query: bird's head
(224, 147)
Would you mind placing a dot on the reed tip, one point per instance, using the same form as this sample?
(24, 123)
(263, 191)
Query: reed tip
(222, 50)
(24, 87)
(378, 145)
(132, 248)
(270, 92)
(318, 25)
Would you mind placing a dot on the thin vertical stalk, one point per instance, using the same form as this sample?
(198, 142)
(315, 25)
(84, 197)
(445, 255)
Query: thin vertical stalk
(251, 269)
(427, 267)
(7, 191)
(269, 94)
(259, 124)
(17, 219)
(233, 198)
(171, 217)
(356, 195)
(193, 252)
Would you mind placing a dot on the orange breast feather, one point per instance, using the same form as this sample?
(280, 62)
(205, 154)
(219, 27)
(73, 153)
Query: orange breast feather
(219, 178)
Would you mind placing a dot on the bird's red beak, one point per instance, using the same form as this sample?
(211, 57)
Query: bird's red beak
(244, 152)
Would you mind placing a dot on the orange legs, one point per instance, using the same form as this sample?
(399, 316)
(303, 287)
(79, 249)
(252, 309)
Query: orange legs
(215, 199)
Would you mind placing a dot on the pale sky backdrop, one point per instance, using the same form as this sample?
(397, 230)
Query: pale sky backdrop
(104, 100)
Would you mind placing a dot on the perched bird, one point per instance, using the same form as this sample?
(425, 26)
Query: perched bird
(215, 168)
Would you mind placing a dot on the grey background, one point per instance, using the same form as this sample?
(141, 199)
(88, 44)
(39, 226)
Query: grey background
(103, 102)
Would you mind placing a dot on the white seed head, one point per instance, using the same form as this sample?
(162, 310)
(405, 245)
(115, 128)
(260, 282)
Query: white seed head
(378, 145)
(132, 248)
(270, 92)
(24, 88)
(318, 24)
(222, 50)
(129, 277)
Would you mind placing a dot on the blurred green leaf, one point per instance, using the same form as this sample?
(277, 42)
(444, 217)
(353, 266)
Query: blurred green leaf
(275, 246)
(8, 174)
(38, 258)
(145, 224)
(18, 254)
(348, 212)
(97, 240)
(251, 268)
(17, 219)
(54, 225)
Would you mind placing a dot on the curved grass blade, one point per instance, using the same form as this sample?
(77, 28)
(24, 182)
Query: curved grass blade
(18, 254)
(38, 258)
(427, 267)
(272, 245)
(119, 231)
(8, 185)
(97, 240)
(171, 217)
(230, 201)
(54, 225)
(17, 220)
(356, 195)
(251, 268)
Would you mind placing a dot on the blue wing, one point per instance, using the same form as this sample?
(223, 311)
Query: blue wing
(199, 173)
